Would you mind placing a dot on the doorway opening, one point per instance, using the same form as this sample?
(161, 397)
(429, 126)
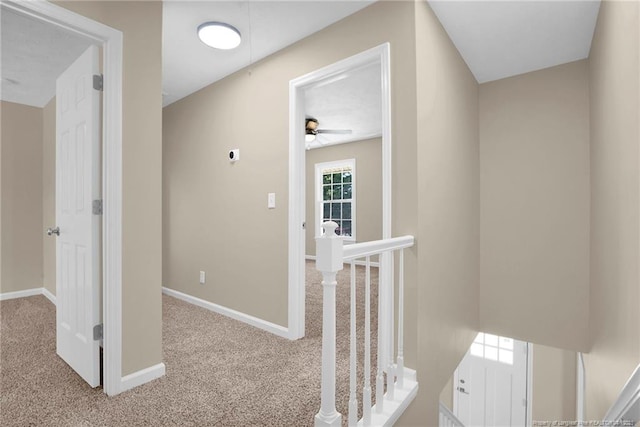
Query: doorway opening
(491, 386)
(110, 40)
(313, 92)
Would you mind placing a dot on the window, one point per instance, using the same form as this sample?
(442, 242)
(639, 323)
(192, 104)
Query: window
(336, 197)
(493, 347)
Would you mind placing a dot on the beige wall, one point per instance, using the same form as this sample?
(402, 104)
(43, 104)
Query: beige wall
(141, 24)
(553, 384)
(368, 155)
(614, 316)
(446, 395)
(215, 212)
(534, 157)
(21, 192)
(448, 210)
(49, 193)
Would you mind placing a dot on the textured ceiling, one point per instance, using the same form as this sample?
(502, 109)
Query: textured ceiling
(351, 102)
(32, 56)
(499, 39)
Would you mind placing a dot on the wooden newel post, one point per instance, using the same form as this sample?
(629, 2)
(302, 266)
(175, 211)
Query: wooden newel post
(329, 261)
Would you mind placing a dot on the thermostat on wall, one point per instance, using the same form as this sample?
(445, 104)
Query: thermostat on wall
(234, 155)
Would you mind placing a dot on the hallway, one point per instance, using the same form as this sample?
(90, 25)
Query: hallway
(220, 372)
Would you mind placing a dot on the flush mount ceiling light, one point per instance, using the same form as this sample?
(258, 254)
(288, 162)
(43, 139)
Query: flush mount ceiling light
(219, 35)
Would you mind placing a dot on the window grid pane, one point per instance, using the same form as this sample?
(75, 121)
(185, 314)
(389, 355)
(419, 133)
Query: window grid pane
(491, 340)
(337, 188)
(506, 343)
(493, 347)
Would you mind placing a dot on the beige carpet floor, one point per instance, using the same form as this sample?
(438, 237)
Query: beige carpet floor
(220, 372)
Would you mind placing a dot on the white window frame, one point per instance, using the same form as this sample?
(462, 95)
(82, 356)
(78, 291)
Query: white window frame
(320, 167)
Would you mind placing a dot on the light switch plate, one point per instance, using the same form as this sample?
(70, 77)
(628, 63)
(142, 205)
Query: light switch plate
(271, 201)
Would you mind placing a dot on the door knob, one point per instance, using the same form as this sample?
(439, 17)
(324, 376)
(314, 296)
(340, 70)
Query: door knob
(52, 231)
(462, 390)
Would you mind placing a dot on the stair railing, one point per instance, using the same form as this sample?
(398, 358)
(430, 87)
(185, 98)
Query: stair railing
(331, 254)
(447, 418)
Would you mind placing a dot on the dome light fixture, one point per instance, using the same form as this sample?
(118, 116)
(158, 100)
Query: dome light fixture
(219, 35)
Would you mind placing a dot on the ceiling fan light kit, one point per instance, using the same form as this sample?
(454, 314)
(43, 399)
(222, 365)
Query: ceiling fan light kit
(311, 130)
(219, 35)
(311, 126)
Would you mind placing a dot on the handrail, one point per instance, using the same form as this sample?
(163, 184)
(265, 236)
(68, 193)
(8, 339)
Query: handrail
(364, 249)
(444, 411)
(331, 255)
(628, 402)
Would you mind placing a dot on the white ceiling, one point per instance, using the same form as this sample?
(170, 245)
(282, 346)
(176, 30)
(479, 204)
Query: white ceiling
(266, 27)
(499, 39)
(353, 102)
(32, 56)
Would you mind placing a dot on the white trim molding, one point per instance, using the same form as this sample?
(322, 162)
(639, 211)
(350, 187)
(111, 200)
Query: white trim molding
(278, 330)
(393, 408)
(143, 376)
(580, 387)
(20, 294)
(529, 395)
(296, 239)
(29, 293)
(627, 405)
(111, 41)
(50, 296)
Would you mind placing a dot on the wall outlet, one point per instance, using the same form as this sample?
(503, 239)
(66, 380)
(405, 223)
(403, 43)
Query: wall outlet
(202, 277)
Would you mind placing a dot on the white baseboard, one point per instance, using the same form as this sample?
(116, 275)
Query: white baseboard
(393, 409)
(29, 293)
(357, 262)
(20, 294)
(278, 330)
(142, 377)
(410, 374)
(51, 297)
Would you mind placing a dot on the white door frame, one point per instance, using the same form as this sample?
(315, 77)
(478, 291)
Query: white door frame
(111, 42)
(381, 55)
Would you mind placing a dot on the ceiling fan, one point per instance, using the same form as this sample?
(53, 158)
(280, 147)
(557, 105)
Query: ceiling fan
(312, 130)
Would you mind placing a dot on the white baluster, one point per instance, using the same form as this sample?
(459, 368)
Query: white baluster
(381, 353)
(366, 390)
(329, 262)
(441, 420)
(400, 365)
(353, 401)
(390, 368)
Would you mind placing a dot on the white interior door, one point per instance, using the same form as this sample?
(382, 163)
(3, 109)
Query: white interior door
(78, 241)
(490, 384)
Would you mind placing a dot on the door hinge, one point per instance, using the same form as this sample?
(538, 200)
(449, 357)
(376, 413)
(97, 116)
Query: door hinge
(97, 207)
(97, 332)
(98, 82)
